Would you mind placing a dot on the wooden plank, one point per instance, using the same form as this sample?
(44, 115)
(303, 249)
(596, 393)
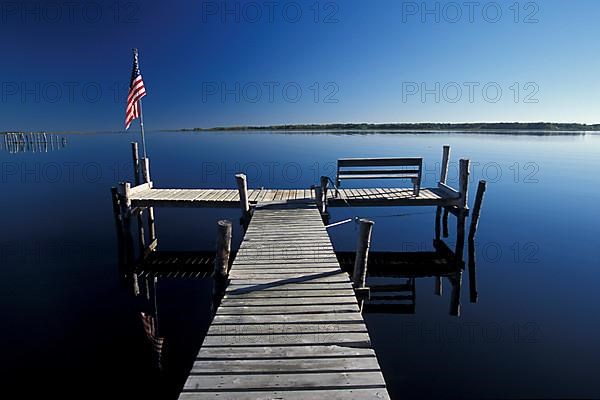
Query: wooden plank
(244, 382)
(331, 394)
(285, 366)
(292, 319)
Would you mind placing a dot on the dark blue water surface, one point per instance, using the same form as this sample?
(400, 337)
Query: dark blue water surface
(69, 323)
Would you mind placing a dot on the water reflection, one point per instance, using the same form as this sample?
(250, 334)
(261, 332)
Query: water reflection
(31, 142)
(392, 277)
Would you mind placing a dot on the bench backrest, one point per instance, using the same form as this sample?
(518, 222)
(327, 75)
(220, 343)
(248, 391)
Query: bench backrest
(380, 168)
(380, 162)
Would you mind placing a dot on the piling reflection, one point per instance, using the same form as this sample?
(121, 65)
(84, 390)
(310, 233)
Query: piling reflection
(392, 278)
(22, 142)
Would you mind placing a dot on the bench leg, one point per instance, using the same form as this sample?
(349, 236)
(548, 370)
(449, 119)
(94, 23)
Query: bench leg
(416, 188)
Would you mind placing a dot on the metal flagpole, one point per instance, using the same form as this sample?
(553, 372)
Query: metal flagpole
(142, 127)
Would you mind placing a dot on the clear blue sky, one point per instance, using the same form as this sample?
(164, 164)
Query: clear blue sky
(366, 60)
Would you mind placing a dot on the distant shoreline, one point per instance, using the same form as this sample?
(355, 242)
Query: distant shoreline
(400, 128)
(507, 128)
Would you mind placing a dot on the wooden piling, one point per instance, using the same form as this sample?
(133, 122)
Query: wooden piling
(151, 226)
(362, 255)
(125, 192)
(135, 155)
(445, 161)
(464, 183)
(224, 233)
(321, 195)
(477, 209)
(146, 170)
(242, 184)
(141, 232)
(318, 197)
(445, 232)
(221, 266)
(438, 220)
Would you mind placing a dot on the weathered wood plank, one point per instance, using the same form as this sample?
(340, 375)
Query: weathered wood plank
(244, 382)
(331, 394)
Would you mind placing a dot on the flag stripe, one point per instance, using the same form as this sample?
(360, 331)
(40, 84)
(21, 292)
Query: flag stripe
(137, 90)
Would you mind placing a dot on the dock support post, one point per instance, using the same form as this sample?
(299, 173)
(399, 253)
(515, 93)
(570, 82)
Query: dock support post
(242, 185)
(445, 160)
(221, 267)
(445, 223)
(362, 256)
(151, 227)
(125, 217)
(146, 169)
(477, 208)
(141, 232)
(318, 197)
(464, 183)
(121, 254)
(324, 186)
(136, 163)
(224, 230)
(463, 210)
(456, 282)
(438, 221)
(124, 191)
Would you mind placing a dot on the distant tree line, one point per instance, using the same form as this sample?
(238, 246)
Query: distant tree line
(411, 127)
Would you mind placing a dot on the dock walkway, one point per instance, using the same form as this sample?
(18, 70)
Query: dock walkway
(147, 196)
(289, 325)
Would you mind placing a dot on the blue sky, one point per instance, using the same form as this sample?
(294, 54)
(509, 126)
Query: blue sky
(212, 63)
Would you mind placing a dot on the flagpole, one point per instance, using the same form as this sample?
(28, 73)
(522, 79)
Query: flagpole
(142, 128)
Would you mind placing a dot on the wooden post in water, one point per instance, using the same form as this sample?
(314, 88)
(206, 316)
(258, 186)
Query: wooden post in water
(125, 192)
(146, 169)
(445, 161)
(141, 232)
(438, 220)
(462, 211)
(445, 222)
(477, 209)
(117, 210)
(464, 183)
(362, 256)
(221, 267)
(136, 163)
(151, 228)
(242, 184)
(224, 230)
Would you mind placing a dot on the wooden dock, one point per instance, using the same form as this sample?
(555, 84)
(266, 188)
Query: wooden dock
(289, 325)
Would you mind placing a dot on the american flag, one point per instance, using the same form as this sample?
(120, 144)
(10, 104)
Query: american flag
(136, 92)
(156, 341)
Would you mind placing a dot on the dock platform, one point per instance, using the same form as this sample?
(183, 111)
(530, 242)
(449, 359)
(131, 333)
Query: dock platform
(288, 322)
(289, 325)
(146, 196)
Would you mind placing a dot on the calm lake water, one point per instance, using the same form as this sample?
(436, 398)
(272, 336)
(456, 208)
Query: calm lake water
(69, 324)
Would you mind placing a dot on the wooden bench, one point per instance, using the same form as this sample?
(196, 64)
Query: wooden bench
(380, 168)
